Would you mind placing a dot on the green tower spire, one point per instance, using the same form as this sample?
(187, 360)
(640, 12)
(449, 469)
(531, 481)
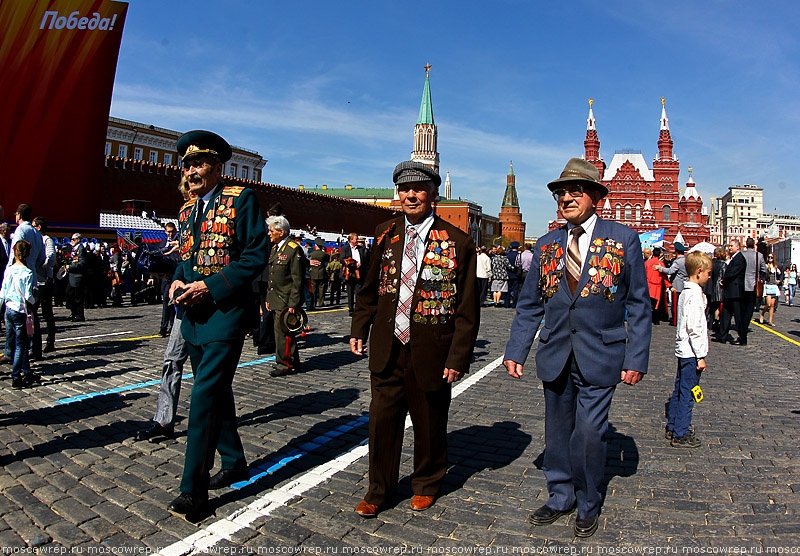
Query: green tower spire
(510, 198)
(426, 106)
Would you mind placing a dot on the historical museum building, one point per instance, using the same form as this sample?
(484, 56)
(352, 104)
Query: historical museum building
(647, 198)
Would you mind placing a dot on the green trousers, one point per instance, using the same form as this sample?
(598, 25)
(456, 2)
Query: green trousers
(212, 413)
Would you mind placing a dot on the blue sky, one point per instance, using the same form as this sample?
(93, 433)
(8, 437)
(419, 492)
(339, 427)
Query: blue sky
(329, 91)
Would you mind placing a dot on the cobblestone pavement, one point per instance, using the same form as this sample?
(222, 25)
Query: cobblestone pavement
(74, 477)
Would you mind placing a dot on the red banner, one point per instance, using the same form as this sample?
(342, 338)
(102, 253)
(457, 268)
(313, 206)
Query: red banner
(58, 60)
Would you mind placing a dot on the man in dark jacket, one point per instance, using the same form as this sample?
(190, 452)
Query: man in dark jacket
(318, 260)
(77, 267)
(222, 250)
(420, 310)
(355, 260)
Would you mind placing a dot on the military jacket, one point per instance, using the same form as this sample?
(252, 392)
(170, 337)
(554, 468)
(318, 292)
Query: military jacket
(318, 272)
(224, 249)
(286, 276)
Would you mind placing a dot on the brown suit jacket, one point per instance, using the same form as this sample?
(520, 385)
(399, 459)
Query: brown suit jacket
(435, 345)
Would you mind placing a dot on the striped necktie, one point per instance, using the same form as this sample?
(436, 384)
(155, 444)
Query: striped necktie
(402, 317)
(574, 260)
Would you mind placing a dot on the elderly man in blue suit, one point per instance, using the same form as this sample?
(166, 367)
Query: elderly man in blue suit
(586, 276)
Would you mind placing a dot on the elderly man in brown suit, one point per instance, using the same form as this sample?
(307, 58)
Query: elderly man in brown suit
(419, 298)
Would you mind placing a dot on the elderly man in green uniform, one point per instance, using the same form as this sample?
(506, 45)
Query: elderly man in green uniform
(286, 280)
(222, 244)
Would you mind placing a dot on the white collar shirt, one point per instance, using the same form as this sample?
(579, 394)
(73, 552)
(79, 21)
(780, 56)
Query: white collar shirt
(691, 338)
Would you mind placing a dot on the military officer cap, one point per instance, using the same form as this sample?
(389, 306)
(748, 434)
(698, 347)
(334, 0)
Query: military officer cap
(679, 247)
(292, 323)
(578, 170)
(199, 142)
(413, 172)
(319, 242)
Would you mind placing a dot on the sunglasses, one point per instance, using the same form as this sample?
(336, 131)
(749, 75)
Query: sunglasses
(575, 191)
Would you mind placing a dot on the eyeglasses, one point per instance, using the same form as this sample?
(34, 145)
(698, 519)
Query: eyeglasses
(574, 191)
(188, 164)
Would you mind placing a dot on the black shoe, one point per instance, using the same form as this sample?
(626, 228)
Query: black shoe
(155, 432)
(668, 434)
(22, 382)
(546, 515)
(34, 377)
(278, 371)
(226, 477)
(48, 348)
(739, 342)
(688, 440)
(586, 526)
(79, 319)
(163, 333)
(193, 506)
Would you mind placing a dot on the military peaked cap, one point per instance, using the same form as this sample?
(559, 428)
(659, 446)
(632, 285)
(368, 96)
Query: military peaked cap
(199, 142)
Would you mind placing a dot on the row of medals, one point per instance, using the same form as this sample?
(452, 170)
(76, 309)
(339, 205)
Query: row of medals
(438, 268)
(551, 264)
(604, 273)
(213, 252)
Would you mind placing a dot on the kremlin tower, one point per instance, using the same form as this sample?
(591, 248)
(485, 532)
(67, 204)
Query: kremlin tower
(644, 198)
(425, 134)
(512, 228)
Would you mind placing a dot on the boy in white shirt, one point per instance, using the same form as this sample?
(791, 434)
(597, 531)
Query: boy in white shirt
(691, 348)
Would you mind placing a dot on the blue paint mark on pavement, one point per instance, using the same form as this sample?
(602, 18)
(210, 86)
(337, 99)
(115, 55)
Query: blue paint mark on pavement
(142, 385)
(304, 449)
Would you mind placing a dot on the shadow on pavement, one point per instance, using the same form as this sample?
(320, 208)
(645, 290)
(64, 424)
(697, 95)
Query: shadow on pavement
(622, 458)
(323, 442)
(301, 404)
(478, 447)
(86, 437)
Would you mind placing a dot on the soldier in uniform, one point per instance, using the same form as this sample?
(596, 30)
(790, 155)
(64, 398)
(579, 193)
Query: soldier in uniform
(318, 260)
(419, 301)
(286, 279)
(221, 246)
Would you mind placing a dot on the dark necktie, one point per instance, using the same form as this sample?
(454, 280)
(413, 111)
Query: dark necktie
(198, 216)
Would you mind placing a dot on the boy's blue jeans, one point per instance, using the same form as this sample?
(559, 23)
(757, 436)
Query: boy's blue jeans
(682, 401)
(17, 342)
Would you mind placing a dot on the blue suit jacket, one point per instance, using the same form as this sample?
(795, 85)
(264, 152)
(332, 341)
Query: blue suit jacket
(591, 327)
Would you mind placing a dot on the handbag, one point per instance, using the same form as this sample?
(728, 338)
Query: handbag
(759, 291)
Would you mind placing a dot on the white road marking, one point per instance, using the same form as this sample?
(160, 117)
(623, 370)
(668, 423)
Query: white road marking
(95, 336)
(225, 528)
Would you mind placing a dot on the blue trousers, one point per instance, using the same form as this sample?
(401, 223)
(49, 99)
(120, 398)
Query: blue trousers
(17, 343)
(576, 420)
(682, 401)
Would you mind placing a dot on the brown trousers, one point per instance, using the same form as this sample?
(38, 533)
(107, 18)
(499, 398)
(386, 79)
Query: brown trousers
(396, 393)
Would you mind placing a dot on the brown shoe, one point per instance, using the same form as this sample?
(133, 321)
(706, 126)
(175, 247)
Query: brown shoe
(419, 503)
(365, 509)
